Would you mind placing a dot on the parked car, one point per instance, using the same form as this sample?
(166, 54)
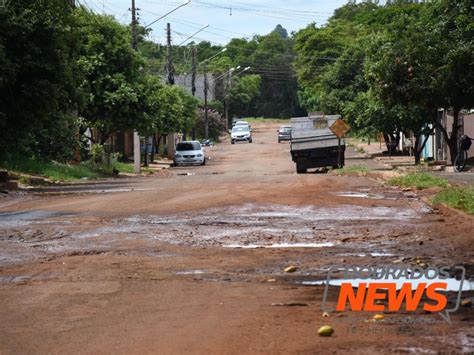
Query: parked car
(189, 152)
(241, 133)
(207, 143)
(284, 133)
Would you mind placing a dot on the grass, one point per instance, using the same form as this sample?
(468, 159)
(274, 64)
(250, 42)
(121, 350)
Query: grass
(124, 167)
(419, 181)
(261, 119)
(52, 170)
(353, 169)
(63, 172)
(461, 198)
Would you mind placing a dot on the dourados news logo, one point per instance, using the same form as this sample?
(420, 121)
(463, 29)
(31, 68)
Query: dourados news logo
(396, 288)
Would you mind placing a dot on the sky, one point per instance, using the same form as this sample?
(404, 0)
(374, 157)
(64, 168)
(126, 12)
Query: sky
(226, 18)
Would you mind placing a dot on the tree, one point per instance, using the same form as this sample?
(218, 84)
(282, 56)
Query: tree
(37, 83)
(454, 32)
(110, 75)
(244, 91)
(273, 61)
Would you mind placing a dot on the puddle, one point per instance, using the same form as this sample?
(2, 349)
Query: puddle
(452, 283)
(246, 226)
(13, 279)
(415, 350)
(92, 191)
(191, 272)
(18, 219)
(281, 245)
(361, 195)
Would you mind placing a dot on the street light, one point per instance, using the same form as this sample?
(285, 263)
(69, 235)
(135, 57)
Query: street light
(176, 8)
(226, 73)
(206, 116)
(194, 34)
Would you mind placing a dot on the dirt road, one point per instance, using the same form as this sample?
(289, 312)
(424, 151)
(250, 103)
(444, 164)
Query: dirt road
(192, 260)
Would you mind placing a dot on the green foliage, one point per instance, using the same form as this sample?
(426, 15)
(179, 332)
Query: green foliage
(244, 91)
(167, 108)
(110, 68)
(97, 151)
(419, 181)
(390, 68)
(269, 56)
(461, 198)
(215, 105)
(52, 170)
(37, 84)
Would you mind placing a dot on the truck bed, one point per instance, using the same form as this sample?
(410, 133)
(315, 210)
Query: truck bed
(313, 144)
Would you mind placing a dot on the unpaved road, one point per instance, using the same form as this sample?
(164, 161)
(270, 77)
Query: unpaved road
(192, 260)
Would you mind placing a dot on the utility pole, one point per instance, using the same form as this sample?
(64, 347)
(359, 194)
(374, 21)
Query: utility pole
(169, 57)
(194, 69)
(226, 100)
(206, 116)
(136, 138)
(193, 82)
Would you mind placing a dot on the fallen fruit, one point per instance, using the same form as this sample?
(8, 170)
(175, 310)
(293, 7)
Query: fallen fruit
(378, 317)
(325, 331)
(291, 268)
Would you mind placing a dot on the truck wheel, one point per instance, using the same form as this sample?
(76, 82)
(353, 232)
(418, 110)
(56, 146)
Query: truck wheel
(232, 142)
(250, 140)
(300, 169)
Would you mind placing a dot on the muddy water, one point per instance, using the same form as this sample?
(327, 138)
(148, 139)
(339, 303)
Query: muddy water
(41, 233)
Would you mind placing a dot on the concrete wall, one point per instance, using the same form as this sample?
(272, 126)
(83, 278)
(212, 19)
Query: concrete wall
(469, 130)
(185, 82)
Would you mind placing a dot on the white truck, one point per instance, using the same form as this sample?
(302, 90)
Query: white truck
(313, 145)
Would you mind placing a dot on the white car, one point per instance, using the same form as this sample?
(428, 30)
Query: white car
(241, 123)
(189, 152)
(241, 133)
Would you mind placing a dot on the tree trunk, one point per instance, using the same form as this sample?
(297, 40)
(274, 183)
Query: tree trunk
(417, 150)
(145, 153)
(386, 139)
(453, 141)
(153, 145)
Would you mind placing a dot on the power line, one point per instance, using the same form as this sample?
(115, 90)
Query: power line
(286, 14)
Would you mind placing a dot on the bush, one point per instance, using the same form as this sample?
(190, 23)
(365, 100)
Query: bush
(216, 124)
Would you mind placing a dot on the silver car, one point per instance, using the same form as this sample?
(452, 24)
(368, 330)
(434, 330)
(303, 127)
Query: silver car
(189, 152)
(241, 133)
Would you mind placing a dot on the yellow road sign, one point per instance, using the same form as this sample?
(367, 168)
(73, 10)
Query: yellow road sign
(340, 128)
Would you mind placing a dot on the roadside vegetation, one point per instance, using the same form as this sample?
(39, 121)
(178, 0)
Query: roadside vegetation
(51, 170)
(418, 181)
(461, 198)
(352, 170)
(57, 171)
